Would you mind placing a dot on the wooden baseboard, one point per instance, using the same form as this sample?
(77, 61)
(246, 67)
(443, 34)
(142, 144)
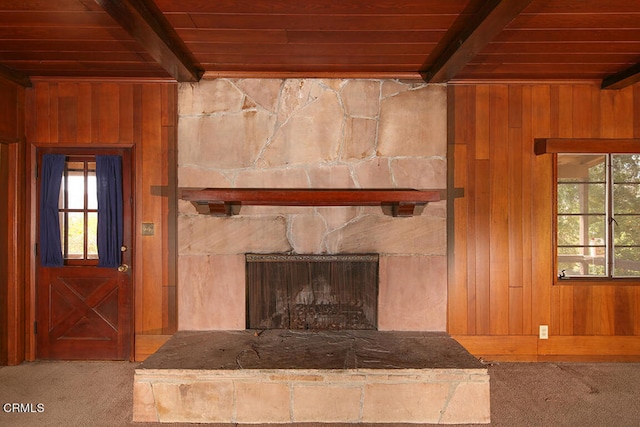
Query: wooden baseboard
(482, 345)
(146, 345)
(590, 346)
(560, 348)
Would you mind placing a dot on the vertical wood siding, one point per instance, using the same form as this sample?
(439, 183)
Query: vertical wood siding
(144, 115)
(12, 230)
(501, 254)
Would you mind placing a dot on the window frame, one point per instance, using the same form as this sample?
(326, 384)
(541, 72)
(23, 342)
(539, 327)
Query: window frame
(557, 146)
(65, 210)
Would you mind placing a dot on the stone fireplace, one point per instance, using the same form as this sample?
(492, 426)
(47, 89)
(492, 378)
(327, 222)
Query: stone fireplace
(316, 134)
(312, 134)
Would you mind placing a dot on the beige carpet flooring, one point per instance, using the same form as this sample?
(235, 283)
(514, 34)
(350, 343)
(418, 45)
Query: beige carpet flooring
(522, 394)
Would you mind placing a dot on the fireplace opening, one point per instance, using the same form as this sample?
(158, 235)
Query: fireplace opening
(312, 292)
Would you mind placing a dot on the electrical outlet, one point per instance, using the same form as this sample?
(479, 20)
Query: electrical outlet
(544, 332)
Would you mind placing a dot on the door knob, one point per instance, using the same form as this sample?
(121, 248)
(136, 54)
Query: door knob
(123, 268)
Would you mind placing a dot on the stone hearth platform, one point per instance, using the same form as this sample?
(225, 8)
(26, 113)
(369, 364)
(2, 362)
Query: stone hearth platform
(282, 376)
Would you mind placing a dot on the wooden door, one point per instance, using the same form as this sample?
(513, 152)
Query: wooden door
(85, 312)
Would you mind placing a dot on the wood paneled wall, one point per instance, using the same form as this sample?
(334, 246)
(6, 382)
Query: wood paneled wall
(500, 232)
(12, 230)
(500, 237)
(4, 256)
(144, 116)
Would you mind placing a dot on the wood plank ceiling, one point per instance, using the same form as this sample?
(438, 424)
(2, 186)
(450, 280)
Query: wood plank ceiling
(438, 40)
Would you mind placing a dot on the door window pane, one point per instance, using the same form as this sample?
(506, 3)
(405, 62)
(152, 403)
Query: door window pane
(92, 234)
(75, 235)
(92, 194)
(75, 189)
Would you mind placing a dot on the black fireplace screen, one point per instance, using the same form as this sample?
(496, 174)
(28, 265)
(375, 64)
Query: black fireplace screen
(316, 292)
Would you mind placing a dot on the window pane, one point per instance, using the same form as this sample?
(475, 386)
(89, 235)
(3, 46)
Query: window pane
(626, 262)
(626, 168)
(626, 198)
(581, 198)
(582, 245)
(75, 166)
(75, 191)
(91, 186)
(578, 261)
(92, 235)
(581, 230)
(75, 235)
(581, 167)
(626, 230)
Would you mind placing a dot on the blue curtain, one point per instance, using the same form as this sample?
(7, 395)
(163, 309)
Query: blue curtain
(110, 221)
(50, 245)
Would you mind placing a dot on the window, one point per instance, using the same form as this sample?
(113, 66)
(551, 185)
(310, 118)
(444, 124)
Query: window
(78, 210)
(598, 215)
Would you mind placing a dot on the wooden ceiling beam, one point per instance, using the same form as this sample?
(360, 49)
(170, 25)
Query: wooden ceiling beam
(147, 25)
(622, 79)
(483, 27)
(15, 76)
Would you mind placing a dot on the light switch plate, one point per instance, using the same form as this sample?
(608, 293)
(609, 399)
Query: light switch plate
(148, 228)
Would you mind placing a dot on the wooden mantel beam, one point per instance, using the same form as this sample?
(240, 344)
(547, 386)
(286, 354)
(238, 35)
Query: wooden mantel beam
(221, 201)
(148, 26)
(490, 20)
(622, 79)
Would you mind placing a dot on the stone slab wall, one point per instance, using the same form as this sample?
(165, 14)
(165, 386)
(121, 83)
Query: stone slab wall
(312, 133)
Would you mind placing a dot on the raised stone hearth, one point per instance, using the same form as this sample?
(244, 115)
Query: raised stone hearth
(281, 376)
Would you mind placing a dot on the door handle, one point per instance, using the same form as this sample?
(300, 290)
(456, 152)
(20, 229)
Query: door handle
(123, 268)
